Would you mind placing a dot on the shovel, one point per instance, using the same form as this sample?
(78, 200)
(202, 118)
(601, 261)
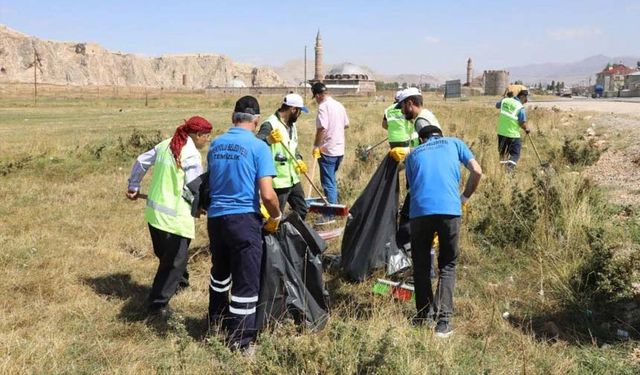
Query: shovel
(363, 153)
(546, 167)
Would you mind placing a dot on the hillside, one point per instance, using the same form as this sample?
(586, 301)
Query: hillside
(79, 64)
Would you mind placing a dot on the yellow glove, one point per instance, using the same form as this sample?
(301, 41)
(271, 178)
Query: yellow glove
(264, 212)
(399, 153)
(272, 224)
(316, 153)
(436, 241)
(465, 204)
(301, 167)
(274, 137)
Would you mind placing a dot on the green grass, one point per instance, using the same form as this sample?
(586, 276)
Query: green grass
(76, 257)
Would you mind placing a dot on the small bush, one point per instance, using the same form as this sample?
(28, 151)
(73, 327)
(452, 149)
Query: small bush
(138, 142)
(609, 273)
(579, 151)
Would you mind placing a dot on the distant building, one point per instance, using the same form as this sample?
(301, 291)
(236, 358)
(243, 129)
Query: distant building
(612, 77)
(631, 85)
(345, 78)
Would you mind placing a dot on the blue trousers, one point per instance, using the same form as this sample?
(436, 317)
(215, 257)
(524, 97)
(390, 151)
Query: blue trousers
(328, 167)
(236, 254)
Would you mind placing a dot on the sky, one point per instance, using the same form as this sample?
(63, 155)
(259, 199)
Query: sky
(391, 37)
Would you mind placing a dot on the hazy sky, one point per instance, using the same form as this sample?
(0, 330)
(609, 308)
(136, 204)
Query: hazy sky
(390, 36)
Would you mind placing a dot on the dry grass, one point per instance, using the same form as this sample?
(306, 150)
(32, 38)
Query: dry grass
(76, 258)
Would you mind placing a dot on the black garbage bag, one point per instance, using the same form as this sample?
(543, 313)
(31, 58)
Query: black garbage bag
(369, 237)
(292, 286)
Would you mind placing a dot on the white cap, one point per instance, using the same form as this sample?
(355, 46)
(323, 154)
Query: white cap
(295, 100)
(411, 91)
(397, 95)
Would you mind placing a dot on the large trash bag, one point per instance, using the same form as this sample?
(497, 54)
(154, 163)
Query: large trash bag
(369, 237)
(291, 284)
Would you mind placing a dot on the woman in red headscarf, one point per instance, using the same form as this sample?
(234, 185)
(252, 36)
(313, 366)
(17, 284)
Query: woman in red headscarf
(176, 162)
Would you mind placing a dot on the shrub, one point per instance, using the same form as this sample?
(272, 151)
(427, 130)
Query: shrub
(579, 151)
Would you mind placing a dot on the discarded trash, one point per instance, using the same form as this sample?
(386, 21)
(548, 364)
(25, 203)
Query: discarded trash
(397, 290)
(506, 315)
(622, 334)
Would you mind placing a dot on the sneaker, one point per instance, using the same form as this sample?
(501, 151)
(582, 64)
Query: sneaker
(444, 329)
(162, 313)
(419, 321)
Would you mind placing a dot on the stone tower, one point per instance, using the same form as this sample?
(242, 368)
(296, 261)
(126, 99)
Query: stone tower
(469, 72)
(318, 72)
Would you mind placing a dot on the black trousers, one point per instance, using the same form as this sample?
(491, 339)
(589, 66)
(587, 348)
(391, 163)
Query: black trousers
(295, 196)
(422, 232)
(173, 252)
(236, 256)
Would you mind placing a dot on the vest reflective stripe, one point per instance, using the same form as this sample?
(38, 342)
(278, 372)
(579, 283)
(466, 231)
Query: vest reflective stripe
(236, 311)
(286, 175)
(158, 207)
(398, 127)
(253, 299)
(508, 125)
(166, 209)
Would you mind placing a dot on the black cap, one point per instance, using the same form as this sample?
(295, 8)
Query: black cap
(428, 131)
(247, 104)
(318, 88)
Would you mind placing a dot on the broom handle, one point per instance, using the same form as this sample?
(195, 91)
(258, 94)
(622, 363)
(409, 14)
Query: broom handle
(534, 148)
(313, 175)
(378, 144)
(307, 176)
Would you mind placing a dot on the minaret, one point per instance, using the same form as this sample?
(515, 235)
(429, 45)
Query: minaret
(318, 73)
(469, 72)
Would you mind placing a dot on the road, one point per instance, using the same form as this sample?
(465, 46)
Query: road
(620, 106)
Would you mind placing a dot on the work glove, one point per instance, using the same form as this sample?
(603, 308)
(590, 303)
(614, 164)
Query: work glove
(272, 224)
(436, 241)
(264, 212)
(465, 204)
(316, 152)
(399, 153)
(301, 167)
(274, 137)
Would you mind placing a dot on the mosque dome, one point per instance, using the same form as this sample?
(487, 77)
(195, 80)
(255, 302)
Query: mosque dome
(347, 71)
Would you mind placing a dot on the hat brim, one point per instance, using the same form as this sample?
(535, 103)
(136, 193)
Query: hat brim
(304, 109)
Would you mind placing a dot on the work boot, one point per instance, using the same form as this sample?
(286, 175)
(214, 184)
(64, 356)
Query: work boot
(159, 313)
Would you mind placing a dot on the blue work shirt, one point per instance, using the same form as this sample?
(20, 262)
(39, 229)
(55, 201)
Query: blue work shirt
(522, 115)
(237, 160)
(433, 173)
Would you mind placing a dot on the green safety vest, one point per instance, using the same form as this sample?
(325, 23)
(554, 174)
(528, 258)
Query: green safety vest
(508, 125)
(286, 175)
(399, 128)
(166, 209)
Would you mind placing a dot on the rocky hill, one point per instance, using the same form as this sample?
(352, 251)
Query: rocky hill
(79, 64)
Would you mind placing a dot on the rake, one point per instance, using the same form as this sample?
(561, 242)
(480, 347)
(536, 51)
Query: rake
(546, 167)
(363, 153)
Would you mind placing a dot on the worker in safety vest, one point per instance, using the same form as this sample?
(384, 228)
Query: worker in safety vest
(512, 118)
(176, 162)
(241, 173)
(400, 132)
(279, 132)
(410, 103)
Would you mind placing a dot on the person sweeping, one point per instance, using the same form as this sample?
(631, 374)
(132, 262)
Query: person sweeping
(176, 162)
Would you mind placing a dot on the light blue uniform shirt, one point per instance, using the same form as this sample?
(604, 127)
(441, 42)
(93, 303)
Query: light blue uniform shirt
(237, 160)
(433, 173)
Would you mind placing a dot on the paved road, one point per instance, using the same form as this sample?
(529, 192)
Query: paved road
(622, 106)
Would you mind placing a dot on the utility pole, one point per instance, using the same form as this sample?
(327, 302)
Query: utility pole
(304, 81)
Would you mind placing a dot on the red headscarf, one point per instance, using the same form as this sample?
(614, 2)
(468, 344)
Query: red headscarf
(195, 124)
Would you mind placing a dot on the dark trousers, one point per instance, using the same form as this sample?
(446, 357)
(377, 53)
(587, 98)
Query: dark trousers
(295, 196)
(173, 252)
(236, 254)
(509, 149)
(422, 231)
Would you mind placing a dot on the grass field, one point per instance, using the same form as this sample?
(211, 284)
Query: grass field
(76, 260)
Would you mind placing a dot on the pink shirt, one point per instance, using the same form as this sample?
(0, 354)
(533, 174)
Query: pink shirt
(332, 117)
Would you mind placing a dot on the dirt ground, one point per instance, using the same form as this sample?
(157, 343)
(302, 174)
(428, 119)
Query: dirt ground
(617, 122)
